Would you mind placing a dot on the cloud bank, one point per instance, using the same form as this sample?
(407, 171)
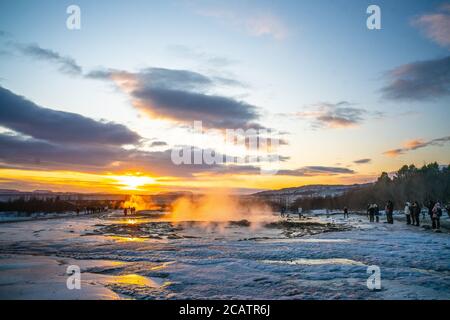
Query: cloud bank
(436, 26)
(24, 116)
(333, 115)
(66, 64)
(416, 144)
(420, 80)
(182, 96)
(362, 161)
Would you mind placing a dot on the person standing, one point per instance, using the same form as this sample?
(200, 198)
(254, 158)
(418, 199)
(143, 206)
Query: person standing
(430, 206)
(436, 216)
(413, 217)
(300, 213)
(407, 212)
(376, 212)
(416, 209)
(372, 213)
(345, 212)
(390, 212)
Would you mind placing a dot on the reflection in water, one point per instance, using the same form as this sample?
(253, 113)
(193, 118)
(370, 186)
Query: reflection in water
(133, 279)
(134, 220)
(127, 239)
(162, 266)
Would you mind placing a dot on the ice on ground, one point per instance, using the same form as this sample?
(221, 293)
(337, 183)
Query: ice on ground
(316, 262)
(144, 258)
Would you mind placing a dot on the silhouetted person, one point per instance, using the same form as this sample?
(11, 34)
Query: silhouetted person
(371, 211)
(413, 216)
(430, 206)
(345, 212)
(125, 211)
(283, 212)
(436, 216)
(390, 212)
(407, 212)
(416, 209)
(376, 212)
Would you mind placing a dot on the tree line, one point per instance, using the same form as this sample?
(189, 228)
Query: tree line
(409, 183)
(53, 205)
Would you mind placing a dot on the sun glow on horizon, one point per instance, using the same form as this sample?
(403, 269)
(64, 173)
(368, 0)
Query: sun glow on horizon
(144, 183)
(133, 182)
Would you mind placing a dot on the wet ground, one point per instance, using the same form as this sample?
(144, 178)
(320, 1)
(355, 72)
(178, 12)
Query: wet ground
(143, 258)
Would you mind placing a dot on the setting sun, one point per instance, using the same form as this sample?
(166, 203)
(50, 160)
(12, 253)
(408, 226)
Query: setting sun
(130, 182)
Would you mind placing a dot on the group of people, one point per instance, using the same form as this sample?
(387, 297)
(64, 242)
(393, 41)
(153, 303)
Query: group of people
(412, 213)
(435, 213)
(285, 213)
(91, 210)
(373, 212)
(131, 210)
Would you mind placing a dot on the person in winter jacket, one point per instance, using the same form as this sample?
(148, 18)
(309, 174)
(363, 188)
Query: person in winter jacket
(389, 212)
(430, 206)
(436, 214)
(407, 212)
(413, 217)
(345, 212)
(376, 212)
(416, 209)
(371, 212)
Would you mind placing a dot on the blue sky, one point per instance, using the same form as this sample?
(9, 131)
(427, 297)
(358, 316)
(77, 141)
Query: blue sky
(311, 68)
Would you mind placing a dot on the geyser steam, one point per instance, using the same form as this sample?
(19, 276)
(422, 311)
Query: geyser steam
(218, 207)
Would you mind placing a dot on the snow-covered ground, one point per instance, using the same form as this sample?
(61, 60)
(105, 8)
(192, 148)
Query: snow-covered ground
(138, 258)
(21, 216)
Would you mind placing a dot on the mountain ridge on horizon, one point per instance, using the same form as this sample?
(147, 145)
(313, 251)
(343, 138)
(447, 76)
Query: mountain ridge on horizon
(261, 192)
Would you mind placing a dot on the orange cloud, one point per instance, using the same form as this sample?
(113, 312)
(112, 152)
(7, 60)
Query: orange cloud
(393, 153)
(416, 144)
(436, 26)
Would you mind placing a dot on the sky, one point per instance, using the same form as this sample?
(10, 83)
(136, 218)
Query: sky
(103, 107)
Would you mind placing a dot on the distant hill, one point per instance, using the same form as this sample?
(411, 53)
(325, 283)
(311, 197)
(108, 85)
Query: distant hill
(9, 191)
(310, 191)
